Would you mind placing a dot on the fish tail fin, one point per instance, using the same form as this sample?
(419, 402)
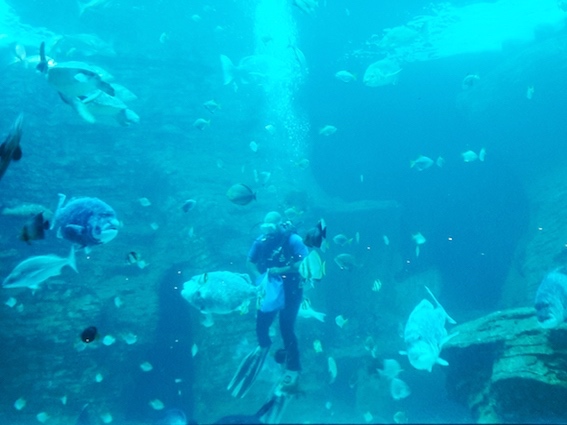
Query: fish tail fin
(228, 69)
(319, 316)
(71, 259)
(323, 269)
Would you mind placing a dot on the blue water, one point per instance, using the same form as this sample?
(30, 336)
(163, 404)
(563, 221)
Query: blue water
(473, 215)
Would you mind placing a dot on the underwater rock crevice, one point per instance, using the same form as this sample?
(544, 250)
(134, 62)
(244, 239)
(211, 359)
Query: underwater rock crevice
(506, 368)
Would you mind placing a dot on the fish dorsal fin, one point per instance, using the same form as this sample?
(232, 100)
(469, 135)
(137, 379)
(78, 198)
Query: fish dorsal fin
(442, 362)
(449, 318)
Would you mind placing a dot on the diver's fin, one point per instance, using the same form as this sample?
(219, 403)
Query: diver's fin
(274, 408)
(247, 372)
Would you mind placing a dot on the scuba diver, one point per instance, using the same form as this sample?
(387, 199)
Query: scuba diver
(273, 262)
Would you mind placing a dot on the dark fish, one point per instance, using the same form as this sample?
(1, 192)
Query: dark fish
(188, 205)
(34, 229)
(132, 257)
(240, 194)
(89, 334)
(316, 235)
(10, 148)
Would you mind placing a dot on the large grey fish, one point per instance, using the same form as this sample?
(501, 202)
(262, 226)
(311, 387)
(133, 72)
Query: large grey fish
(34, 271)
(425, 334)
(10, 148)
(551, 299)
(85, 221)
(219, 292)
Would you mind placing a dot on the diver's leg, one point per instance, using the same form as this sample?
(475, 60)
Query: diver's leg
(288, 315)
(263, 322)
(253, 362)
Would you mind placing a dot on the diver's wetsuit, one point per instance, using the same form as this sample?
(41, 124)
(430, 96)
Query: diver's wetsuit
(280, 250)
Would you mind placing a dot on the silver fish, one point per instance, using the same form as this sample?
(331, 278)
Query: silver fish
(34, 271)
(425, 334)
(219, 292)
(551, 299)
